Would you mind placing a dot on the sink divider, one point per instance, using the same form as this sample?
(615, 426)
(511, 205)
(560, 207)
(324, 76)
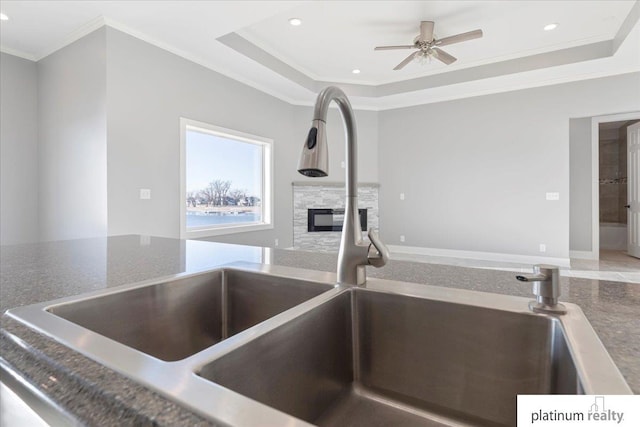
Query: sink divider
(224, 300)
(355, 337)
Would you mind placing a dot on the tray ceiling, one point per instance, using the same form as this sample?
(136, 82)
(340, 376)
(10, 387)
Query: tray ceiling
(253, 42)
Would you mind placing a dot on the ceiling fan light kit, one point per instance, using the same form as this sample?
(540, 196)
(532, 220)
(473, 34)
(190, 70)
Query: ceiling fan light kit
(429, 46)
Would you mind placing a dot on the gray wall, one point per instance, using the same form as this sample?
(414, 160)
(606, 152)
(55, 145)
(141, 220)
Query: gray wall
(475, 171)
(109, 110)
(72, 140)
(580, 230)
(18, 151)
(149, 89)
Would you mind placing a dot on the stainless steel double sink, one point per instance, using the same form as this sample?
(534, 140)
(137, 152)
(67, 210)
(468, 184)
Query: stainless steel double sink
(266, 345)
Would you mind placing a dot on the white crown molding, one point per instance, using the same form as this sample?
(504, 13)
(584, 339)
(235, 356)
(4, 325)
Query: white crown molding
(268, 50)
(76, 35)
(195, 59)
(429, 98)
(517, 75)
(105, 21)
(365, 103)
(18, 53)
(355, 104)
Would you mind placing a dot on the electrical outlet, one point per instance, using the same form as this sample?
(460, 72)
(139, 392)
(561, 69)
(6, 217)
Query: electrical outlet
(277, 242)
(402, 238)
(145, 194)
(543, 247)
(401, 196)
(553, 196)
(342, 164)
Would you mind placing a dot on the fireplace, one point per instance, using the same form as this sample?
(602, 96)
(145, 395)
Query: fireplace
(331, 219)
(328, 199)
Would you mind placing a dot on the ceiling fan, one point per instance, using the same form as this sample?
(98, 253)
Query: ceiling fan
(429, 47)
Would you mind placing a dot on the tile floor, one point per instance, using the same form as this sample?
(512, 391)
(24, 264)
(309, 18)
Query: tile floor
(612, 265)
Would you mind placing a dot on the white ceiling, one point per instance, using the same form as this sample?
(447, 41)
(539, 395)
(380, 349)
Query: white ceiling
(337, 37)
(253, 42)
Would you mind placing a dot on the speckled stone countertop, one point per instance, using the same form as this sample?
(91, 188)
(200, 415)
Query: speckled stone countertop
(95, 395)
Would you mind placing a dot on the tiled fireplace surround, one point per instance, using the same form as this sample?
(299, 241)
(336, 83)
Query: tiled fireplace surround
(328, 195)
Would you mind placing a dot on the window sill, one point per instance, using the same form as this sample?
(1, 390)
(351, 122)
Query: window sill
(219, 231)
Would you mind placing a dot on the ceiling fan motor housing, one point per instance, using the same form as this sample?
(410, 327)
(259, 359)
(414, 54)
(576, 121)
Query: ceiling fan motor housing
(427, 44)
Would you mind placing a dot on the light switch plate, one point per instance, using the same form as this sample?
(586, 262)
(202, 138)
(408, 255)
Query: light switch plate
(553, 196)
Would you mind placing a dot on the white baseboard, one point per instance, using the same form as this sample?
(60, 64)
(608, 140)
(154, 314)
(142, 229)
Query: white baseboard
(487, 256)
(583, 255)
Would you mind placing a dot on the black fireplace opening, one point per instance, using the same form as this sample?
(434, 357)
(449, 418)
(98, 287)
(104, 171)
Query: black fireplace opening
(331, 219)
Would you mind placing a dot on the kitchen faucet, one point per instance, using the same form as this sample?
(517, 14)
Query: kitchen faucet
(354, 253)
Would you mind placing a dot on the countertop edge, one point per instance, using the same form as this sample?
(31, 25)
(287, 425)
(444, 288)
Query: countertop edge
(87, 390)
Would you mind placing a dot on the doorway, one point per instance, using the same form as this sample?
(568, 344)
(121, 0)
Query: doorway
(610, 188)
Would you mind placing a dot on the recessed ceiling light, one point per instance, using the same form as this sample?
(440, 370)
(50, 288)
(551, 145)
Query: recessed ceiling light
(355, 71)
(295, 22)
(3, 17)
(550, 27)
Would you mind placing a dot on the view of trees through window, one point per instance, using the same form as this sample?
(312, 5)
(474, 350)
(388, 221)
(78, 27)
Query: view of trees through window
(224, 180)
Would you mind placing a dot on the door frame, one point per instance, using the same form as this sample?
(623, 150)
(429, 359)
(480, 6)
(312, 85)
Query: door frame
(595, 174)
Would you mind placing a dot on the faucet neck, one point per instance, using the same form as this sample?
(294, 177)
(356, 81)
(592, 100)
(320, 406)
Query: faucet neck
(320, 112)
(354, 254)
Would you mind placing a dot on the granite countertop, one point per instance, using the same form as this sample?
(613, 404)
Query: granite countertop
(95, 395)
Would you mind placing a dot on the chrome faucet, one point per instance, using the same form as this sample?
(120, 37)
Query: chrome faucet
(546, 288)
(354, 253)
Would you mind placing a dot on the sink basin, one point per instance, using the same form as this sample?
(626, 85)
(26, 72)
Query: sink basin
(371, 358)
(177, 318)
(253, 344)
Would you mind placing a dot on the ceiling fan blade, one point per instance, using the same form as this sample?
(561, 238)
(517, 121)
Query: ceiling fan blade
(443, 56)
(394, 47)
(426, 31)
(475, 34)
(408, 59)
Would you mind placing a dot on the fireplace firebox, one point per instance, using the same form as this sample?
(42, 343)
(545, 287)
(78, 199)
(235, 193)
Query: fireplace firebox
(331, 219)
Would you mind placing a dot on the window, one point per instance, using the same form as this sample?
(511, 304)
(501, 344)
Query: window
(226, 181)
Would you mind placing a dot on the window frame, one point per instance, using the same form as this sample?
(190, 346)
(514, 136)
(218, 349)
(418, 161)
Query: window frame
(267, 181)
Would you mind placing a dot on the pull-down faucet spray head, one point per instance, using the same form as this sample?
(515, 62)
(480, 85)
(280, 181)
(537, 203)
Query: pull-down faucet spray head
(314, 160)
